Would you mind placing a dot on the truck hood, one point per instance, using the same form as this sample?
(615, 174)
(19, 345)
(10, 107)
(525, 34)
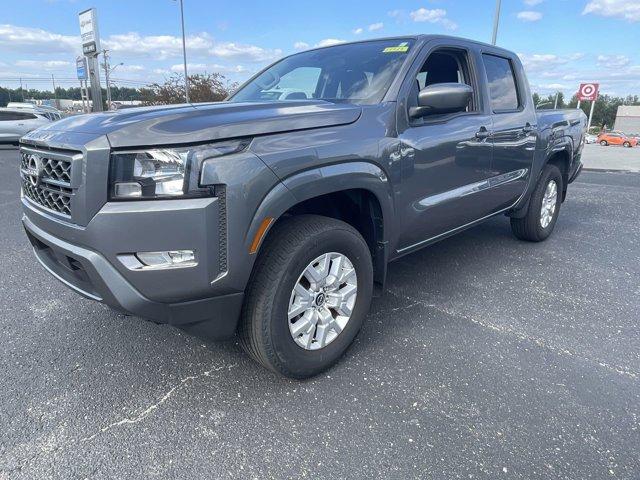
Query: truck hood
(192, 123)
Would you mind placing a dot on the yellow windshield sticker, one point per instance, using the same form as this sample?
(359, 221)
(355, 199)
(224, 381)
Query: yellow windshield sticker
(403, 47)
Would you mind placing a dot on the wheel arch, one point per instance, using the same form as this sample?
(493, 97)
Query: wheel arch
(358, 193)
(562, 160)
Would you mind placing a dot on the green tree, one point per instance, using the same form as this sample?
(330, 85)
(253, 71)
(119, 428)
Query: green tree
(208, 87)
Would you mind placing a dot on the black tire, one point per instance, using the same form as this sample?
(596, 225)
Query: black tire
(292, 244)
(626, 144)
(604, 143)
(529, 227)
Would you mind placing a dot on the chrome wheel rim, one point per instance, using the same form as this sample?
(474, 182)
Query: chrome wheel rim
(549, 202)
(322, 301)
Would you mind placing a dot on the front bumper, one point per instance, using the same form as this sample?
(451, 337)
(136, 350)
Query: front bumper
(86, 260)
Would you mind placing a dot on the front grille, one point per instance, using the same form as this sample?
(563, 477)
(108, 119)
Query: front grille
(46, 178)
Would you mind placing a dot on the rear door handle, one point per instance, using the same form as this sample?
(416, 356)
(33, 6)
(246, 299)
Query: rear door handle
(483, 133)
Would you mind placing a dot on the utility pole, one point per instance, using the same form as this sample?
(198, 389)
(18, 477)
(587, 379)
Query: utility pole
(184, 54)
(21, 90)
(107, 73)
(105, 53)
(555, 104)
(55, 94)
(496, 21)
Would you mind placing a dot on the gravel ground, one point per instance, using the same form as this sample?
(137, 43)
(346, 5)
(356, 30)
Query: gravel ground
(487, 358)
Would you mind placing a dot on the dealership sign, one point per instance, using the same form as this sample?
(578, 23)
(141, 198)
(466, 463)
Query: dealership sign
(588, 91)
(89, 32)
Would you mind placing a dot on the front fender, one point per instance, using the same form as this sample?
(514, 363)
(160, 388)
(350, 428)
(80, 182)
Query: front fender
(321, 181)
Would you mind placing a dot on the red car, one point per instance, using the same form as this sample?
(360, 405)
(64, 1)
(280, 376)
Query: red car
(612, 138)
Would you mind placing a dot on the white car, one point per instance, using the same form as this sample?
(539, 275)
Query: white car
(284, 94)
(16, 122)
(48, 111)
(589, 138)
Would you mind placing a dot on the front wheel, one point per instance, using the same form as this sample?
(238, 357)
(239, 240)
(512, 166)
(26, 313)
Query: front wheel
(604, 143)
(544, 207)
(626, 144)
(308, 296)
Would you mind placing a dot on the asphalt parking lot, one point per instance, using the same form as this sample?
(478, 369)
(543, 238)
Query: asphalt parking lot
(597, 157)
(487, 358)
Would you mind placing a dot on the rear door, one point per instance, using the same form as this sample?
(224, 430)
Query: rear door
(514, 126)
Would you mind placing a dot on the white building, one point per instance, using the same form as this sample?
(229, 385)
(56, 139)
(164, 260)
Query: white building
(628, 119)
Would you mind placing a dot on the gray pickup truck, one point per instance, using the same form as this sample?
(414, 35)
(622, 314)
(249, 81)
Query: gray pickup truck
(274, 214)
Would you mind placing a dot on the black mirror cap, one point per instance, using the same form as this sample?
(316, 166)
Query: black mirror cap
(442, 98)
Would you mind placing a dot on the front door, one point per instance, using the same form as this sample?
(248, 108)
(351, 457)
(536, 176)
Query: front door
(446, 158)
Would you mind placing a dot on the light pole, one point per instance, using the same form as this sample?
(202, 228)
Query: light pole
(184, 54)
(496, 21)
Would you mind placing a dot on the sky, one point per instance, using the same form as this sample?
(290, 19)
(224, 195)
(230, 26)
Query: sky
(561, 42)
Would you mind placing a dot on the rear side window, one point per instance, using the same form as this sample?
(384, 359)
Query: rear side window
(13, 116)
(502, 83)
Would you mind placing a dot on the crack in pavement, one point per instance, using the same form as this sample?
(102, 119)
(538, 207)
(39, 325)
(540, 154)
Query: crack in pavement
(153, 407)
(520, 335)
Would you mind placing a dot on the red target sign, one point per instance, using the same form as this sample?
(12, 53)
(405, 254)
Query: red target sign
(588, 91)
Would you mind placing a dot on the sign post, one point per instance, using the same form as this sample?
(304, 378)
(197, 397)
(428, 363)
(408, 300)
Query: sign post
(588, 91)
(83, 76)
(90, 49)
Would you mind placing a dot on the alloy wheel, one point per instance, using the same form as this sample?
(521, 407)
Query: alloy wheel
(322, 301)
(549, 203)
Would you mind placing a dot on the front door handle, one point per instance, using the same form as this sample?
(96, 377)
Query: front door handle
(483, 133)
(527, 128)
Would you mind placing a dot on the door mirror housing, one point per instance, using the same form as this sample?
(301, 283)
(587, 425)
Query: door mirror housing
(442, 98)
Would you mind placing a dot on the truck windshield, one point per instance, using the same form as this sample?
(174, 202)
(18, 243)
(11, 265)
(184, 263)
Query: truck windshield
(355, 73)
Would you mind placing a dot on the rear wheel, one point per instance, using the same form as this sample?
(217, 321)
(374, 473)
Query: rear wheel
(626, 144)
(308, 297)
(544, 207)
(604, 143)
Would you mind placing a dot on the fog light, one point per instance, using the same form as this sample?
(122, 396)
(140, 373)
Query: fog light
(169, 259)
(159, 260)
(128, 190)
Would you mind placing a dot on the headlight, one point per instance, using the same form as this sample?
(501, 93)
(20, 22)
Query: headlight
(164, 172)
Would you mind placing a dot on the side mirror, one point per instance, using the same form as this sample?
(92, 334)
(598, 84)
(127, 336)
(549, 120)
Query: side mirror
(442, 98)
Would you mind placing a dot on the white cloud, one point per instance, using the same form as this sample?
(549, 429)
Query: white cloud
(301, 45)
(376, 26)
(437, 15)
(613, 61)
(250, 53)
(357, 31)
(44, 64)
(425, 15)
(327, 42)
(131, 68)
(532, 3)
(161, 47)
(626, 9)
(36, 40)
(195, 67)
(157, 46)
(201, 44)
(529, 16)
(542, 61)
(207, 68)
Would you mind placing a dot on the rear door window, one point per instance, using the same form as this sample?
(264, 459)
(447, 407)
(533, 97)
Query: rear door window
(11, 116)
(502, 83)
